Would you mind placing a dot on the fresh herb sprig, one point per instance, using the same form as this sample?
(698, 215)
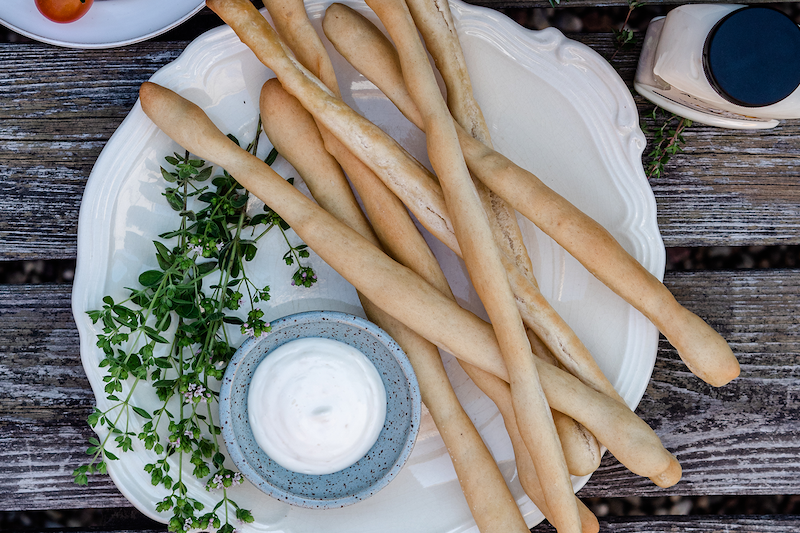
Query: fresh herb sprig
(667, 139)
(173, 333)
(624, 37)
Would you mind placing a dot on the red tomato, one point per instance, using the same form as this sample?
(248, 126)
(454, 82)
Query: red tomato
(64, 10)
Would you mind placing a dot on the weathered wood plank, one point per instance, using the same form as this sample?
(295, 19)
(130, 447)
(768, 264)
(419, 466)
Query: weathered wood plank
(740, 439)
(54, 122)
(729, 438)
(661, 524)
(694, 524)
(727, 188)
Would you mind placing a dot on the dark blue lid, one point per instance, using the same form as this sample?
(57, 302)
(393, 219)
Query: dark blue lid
(752, 56)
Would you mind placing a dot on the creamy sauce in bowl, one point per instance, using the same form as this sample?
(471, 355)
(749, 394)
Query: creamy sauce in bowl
(316, 406)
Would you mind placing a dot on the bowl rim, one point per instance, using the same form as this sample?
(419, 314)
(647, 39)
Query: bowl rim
(238, 456)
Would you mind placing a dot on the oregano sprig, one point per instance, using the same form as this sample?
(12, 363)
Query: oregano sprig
(172, 334)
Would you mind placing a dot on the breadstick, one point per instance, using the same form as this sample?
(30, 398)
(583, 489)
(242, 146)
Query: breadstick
(366, 47)
(396, 289)
(399, 236)
(702, 349)
(294, 134)
(435, 23)
(483, 263)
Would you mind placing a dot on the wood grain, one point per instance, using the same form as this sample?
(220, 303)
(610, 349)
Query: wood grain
(663, 524)
(58, 107)
(727, 188)
(739, 439)
(693, 524)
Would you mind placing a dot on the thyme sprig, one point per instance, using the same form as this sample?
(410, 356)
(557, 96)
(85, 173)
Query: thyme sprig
(624, 37)
(667, 139)
(173, 333)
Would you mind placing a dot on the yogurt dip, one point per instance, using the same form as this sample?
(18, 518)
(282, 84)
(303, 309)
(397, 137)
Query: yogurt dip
(316, 406)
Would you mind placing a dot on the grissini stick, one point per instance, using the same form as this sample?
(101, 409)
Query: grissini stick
(702, 349)
(435, 24)
(391, 221)
(440, 320)
(370, 52)
(581, 448)
(484, 265)
(294, 134)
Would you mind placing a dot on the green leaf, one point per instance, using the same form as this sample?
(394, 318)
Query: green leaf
(273, 155)
(141, 412)
(153, 334)
(239, 201)
(187, 311)
(163, 255)
(205, 268)
(151, 278)
(204, 174)
(175, 201)
(168, 176)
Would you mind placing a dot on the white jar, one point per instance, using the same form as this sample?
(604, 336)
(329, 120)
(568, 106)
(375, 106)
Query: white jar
(724, 65)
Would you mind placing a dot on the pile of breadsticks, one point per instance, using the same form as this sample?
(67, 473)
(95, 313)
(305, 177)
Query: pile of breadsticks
(557, 406)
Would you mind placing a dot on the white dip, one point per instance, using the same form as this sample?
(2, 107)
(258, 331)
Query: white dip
(316, 406)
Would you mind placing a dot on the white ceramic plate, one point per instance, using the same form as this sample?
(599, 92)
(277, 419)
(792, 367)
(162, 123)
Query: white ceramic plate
(109, 23)
(554, 106)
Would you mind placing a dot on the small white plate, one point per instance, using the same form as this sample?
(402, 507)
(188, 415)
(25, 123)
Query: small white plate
(554, 106)
(108, 24)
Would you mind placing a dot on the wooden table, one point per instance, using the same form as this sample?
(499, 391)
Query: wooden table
(729, 188)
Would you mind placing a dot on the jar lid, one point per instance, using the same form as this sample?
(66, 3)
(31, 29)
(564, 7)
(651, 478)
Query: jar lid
(752, 56)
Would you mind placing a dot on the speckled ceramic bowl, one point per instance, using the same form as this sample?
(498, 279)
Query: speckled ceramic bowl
(369, 474)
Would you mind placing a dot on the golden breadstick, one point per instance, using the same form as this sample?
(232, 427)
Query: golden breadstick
(581, 449)
(435, 23)
(294, 134)
(398, 290)
(703, 350)
(394, 288)
(390, 220)
(485, 268)
(291, 129)
(366, 47)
